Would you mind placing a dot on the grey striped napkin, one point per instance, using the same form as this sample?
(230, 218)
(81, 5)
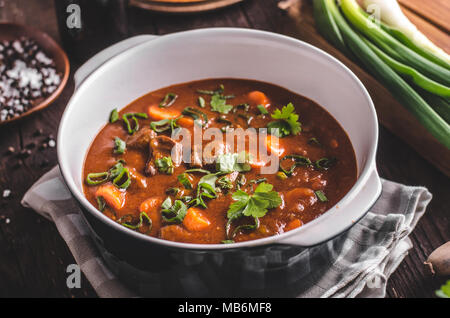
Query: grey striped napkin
(368, 253)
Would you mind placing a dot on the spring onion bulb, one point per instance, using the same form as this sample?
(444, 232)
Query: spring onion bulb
(390, 45)
(392, 15)
(404, 92)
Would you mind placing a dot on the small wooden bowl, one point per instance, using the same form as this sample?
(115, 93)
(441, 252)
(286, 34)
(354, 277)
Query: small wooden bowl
(182, 7)
(11, 31)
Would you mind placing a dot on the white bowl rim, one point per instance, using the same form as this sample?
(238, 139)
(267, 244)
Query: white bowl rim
(361, 181)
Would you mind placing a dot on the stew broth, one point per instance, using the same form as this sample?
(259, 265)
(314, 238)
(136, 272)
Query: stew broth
(323, 167)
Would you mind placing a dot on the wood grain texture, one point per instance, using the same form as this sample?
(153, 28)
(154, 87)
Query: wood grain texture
(34, 257)
(434, 11)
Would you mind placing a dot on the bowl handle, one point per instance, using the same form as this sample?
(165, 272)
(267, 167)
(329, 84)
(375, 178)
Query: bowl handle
(334, 224)
(103, 56)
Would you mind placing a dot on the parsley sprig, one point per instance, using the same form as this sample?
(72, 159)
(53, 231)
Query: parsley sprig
(218, 100)
(444, 292)
(255, 206)
(286, 122)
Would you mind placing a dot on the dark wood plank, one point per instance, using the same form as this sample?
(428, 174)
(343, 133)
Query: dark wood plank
(436, 35)
(434, 11)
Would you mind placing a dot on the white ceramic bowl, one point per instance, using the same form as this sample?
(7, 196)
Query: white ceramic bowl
(145, 64)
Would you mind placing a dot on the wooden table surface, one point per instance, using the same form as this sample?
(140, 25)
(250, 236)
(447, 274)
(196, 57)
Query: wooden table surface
(33, 257)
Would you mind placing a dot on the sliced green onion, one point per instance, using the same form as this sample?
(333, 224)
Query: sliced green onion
(184, 180)
(262, 109)
(173, 213)
(195, 114)
(298, 161)
(114, 116)
(168, 100)
(134, 117)
(127, 221)
(325, 163)
(321, 196)
(115, 170)
(101, 204)
(165, 124)
(220, 90)
(281, 175)
(201, 102)
(165, 165)
(119, 146)
(258, 181)
(231, 235)
(97, 178)
(197, 170)
(123, 180)
(227, 242)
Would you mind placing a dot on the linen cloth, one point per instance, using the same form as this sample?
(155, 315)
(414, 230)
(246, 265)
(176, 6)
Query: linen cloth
(369, 252)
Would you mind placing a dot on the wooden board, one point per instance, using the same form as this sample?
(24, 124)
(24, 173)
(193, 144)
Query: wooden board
(184, 6)
(391, 113)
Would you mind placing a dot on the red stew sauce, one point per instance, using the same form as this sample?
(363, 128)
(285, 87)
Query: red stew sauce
(134, 175)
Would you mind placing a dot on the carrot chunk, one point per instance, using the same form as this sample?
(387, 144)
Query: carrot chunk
(151, 207)
(259, 98)
(293, 225)
(195, 220)
(299, 193)
(157, 113)
(113, 196)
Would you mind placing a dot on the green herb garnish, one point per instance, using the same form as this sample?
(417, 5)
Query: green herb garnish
(165, 165)
(134, 117)
(298, 161)
(195, 114)
(262, 109)
(101, 204)
(325, 163)
(118, 174)
(220, 90)
(127, 221)
(168, 100)
(165, 124)
(201, 102)
(184, 180)
(219, 104)
(258, 181)
(286, 123)
(123, 180)
(119, 146)
(97, 178)
(255, 205)
(321, 196)
(225, 184)
(173, 213)
(227, 163)
(444, 291)
(114, 116)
